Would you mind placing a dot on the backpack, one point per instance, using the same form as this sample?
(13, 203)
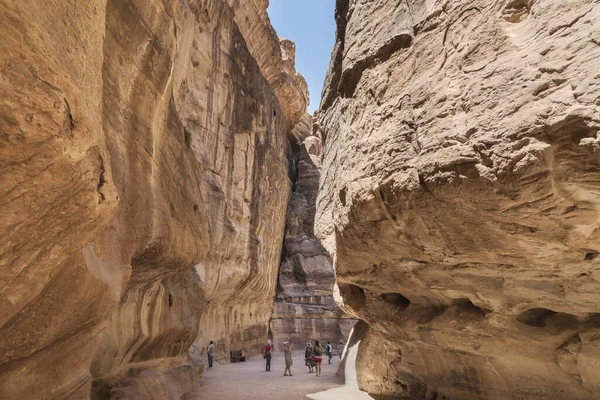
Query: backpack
(318, 351)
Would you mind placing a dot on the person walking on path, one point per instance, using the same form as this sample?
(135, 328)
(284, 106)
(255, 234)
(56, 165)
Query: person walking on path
(340, 348)
(329, 351)
(211, 352)
(318, 351)
(287, 349)
(308, 357)
(267, 355)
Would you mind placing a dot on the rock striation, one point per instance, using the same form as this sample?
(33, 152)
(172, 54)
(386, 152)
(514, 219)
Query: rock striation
(143, 190)
(304, 307)
(459, 195)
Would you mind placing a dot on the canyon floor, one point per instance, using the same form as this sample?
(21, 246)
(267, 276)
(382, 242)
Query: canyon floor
(249, 381)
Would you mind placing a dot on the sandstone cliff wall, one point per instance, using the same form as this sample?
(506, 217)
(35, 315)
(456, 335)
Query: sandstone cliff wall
(304, 308)
(143, 190)
(460, 196)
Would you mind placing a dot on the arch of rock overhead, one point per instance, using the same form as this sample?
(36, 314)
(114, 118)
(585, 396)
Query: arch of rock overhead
(162, 186)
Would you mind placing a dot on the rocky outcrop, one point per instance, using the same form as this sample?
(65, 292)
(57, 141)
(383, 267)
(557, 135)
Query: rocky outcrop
(459, 195)
(275, 56)
(304, 307)
(143, 191)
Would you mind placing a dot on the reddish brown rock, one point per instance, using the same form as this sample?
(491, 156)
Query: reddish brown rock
(304, 308)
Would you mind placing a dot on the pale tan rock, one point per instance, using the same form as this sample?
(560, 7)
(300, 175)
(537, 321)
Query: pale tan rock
(459, 195)
(275, 57)
(144, 187)
(56, 195)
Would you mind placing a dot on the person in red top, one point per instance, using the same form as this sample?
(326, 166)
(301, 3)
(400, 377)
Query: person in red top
(267, 355)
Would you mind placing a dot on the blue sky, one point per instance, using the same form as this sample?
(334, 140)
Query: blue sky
(311, 25)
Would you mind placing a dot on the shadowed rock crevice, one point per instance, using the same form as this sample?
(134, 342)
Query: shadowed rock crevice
(545, 318)
(396, 300)
(304, 302)
(332, 85)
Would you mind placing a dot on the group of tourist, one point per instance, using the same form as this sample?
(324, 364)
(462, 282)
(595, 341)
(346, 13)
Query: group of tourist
(313, 355)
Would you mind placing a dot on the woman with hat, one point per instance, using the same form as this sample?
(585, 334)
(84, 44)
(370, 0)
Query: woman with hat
(287, 349)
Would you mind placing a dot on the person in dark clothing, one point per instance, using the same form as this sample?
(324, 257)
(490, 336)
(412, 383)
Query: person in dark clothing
(308, 357)
(211, 352)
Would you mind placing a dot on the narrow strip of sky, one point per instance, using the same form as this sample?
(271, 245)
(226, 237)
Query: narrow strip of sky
(311, 25)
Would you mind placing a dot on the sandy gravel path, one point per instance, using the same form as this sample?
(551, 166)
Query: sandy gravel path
(249, 381)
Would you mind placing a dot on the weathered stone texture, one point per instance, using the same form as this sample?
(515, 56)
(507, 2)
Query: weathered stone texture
(460, 197)
(304, 306)
(275, 56)
(143, 191)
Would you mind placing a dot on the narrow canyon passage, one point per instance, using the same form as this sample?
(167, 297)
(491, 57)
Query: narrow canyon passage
(163, 188)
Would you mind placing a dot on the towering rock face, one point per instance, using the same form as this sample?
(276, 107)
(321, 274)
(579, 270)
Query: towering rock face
(460, 195)
(143, 190)
(304, 306)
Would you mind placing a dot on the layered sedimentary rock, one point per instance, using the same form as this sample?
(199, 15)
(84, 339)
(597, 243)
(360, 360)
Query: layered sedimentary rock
(460, 195)
(143, 191)
(304, 308)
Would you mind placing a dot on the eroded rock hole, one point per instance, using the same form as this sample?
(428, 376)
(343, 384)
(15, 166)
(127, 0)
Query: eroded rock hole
(590, 255)
(467, 305)
(170, 300)
(545, 318)
(402, 385)
(342, 195)
(535, 317)
(517, 10)
(353, 295)
(396, 299)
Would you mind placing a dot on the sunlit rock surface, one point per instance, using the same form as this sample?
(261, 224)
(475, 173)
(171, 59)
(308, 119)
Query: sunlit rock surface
(144, 187)
(460, 193)
(304, 308)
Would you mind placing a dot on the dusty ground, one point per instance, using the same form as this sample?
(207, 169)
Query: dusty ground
(249, 381)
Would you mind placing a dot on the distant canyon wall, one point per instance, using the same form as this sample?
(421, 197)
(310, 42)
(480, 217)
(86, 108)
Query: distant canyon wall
(460, 195)
(304, 308)
(144, 188)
